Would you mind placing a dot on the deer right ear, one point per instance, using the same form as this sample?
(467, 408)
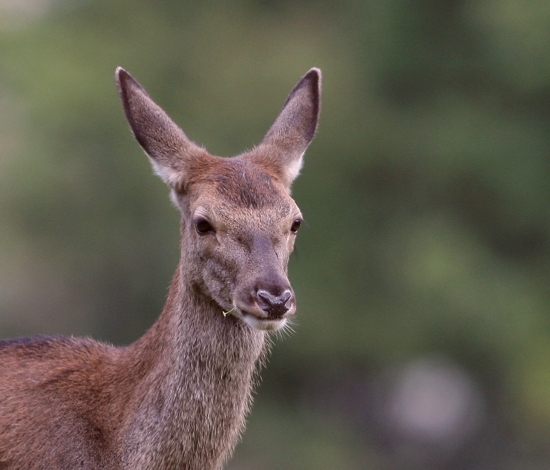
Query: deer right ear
(167, 146)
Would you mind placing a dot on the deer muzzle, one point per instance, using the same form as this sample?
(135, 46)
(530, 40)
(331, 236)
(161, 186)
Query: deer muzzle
(267, 303)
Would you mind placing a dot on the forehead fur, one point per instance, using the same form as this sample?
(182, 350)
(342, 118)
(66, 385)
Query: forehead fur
(242, 183)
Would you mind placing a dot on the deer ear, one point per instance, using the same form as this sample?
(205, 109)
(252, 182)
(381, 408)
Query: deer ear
(167, 146)
(285, 143)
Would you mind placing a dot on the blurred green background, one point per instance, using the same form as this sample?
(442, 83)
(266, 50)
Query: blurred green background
(423, 337)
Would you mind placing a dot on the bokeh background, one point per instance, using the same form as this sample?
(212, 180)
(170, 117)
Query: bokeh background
(423, 339)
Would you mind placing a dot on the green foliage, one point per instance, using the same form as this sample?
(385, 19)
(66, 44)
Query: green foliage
(426, 194)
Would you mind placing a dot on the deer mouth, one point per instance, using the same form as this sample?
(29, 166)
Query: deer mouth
(258, 322)
(264, 324)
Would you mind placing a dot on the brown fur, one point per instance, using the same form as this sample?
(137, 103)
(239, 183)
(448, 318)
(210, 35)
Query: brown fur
(176, 398)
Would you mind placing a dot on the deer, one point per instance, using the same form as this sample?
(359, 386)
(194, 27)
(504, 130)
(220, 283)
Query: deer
(177, 397)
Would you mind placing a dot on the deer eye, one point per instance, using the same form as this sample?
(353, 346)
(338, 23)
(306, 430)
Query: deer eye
(202, 226)
(295, 226)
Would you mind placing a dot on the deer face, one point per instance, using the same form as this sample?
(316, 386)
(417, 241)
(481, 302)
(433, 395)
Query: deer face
(240, 229)
(239, 222)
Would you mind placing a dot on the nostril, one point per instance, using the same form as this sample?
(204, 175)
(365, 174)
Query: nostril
(273, 305)
(285, 296)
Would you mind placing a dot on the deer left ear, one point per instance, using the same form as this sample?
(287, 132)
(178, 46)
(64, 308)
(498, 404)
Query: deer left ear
(285, 143)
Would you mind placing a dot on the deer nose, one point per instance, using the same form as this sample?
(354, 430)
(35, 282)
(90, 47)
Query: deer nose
(274, 305)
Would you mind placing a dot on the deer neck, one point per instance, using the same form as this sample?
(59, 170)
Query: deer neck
(195, 364)
(193, 326)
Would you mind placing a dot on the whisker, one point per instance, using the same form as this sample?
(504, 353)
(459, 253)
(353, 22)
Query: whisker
(287, 330)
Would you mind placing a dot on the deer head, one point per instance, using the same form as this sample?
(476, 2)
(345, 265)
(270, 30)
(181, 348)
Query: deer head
(238, 221)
